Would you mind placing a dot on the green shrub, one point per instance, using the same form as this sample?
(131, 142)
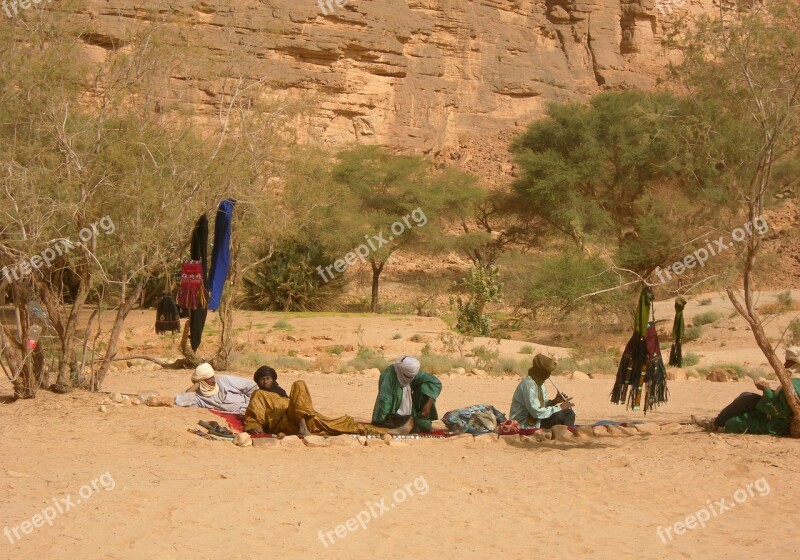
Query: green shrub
(692, 333)
(690, 359)
(336, 350)
(289, 281)
(282, 325)
(486, 357)
(565, 365)
(288, 362)
(367, 358)
(249, 361)
(785, 299)
(513, 366)
(397, 336)
(527, 349)
(706, 318)
(437, 364)
(706, 301)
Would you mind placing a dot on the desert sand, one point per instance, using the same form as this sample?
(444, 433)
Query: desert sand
(176, 495)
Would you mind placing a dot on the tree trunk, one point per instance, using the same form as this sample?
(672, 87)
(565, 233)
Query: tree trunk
(122, 313)
(377, 268)
(227, 336)
(192, 358)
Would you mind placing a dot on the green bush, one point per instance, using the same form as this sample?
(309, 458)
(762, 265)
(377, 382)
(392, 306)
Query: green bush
(289, 281)
(527, 349)
(336, 350)
(288, 362)
(437, 364)
(785, 299)
(706, 318)
(486, 357)
(513, 366)
(282, 325)
(367, 358)
(690, 359)
(692, 333)
(565, 365)
(705, 301)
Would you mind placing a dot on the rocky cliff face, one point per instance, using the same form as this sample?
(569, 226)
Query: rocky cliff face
(420, 75)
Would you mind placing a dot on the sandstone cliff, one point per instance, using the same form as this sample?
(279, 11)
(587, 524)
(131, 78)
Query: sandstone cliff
(420, 75)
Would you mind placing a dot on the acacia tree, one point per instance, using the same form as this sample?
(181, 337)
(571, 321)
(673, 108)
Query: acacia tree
(742, 71)
(381, 190)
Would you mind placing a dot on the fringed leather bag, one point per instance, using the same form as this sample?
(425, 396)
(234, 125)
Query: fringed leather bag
(192, 293)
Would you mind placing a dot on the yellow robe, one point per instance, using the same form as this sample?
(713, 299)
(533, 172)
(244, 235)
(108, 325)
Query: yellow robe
(275, 414)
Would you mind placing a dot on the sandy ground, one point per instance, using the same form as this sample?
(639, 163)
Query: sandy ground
(177, 496)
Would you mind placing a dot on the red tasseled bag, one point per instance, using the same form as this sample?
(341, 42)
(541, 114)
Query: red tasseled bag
(192, 293)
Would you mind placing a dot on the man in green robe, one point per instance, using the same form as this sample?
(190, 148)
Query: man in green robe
(761, 414)
(406, 398)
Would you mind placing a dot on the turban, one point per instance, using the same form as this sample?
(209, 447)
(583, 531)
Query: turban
(542, 367)
(406, 368)
(265, 371)
(793, 354)
(202, 372)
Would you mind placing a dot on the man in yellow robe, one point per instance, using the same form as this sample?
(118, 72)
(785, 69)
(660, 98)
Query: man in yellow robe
(271, 413)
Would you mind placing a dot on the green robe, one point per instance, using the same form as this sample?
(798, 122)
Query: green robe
(390, 394)
(771, 416)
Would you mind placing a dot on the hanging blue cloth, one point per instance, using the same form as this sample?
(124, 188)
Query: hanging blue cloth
(220, 253)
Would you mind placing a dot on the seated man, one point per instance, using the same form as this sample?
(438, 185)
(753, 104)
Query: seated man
(755, 413)
(271, 413)
(225, 393)
(530, 406)
(267, 380)
(406, 398)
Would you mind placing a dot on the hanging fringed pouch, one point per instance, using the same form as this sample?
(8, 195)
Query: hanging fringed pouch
(192, 294)
(168, 317)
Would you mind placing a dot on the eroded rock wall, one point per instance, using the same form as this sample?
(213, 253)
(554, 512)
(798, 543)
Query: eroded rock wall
(413, 74)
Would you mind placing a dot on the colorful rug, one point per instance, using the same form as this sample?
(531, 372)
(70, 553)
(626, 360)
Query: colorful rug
(236, 424)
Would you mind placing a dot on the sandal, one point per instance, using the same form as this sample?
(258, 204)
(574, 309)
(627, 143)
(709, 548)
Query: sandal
(216, 430)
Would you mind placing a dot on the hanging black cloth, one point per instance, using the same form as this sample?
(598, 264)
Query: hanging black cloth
(199, 252)
(678, 328)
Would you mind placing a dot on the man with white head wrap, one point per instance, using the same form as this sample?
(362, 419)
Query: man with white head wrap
(406, 397)
(226, 393)
(754, 413)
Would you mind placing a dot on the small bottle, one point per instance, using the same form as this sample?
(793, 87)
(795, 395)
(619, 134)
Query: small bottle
(34, 331)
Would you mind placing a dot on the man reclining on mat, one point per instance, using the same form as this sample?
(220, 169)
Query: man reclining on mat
(755, 413)
(406, 398)
(530, 406)
(226, 393)
(271, 413)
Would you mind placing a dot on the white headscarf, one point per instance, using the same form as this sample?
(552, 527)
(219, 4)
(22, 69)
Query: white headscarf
(201, 373)
(406, 368)
(793, 357)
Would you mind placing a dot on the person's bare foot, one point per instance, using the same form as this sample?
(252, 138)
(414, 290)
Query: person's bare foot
(302, 429)
(403, 430)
